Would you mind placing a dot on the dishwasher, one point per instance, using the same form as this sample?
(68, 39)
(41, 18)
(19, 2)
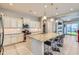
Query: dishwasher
(1, 36)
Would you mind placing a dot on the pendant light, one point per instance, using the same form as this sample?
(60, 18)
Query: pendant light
(44, 17)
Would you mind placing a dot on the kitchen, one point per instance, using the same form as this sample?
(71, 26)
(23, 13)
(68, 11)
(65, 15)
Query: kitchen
(31, 33)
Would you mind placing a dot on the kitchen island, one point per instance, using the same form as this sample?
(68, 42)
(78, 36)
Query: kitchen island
(37, 42)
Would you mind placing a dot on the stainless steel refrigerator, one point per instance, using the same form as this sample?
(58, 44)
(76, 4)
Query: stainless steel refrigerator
(1, 36)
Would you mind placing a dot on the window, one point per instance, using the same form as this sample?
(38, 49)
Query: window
(71, 29)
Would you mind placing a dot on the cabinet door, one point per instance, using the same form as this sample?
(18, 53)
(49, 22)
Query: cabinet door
(7, 21)
(20, 37)
(13, 22)
(7, 40)
(13, 39)
(19, 23)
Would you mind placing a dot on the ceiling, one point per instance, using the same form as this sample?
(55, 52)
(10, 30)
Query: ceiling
(38, 9)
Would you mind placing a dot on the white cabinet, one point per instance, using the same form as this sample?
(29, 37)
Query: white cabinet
(34, 24)
(19, 37)
(13, 39)
(12, 26)
(19, 23)
(13, 23)
(7, 21)
(7, 40)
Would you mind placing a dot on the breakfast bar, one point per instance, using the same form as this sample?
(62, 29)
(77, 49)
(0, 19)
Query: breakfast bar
(37, 42)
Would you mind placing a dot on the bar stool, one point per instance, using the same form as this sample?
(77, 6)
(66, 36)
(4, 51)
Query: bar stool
(54, 45)
(60, 42)
(48, 50)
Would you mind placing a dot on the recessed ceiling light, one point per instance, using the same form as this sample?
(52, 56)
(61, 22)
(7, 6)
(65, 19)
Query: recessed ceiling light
(71, 9)
(56, 13)
(10, 4)
(52, 19)
(45, 6)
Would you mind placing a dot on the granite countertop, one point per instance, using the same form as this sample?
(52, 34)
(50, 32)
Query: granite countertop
(43, 37)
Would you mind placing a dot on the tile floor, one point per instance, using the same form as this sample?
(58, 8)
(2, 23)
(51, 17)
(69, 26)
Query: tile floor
(71, 47)
(17, 49)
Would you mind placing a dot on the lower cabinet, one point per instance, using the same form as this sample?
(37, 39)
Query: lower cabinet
(11, 39)
(7, 40)
(19, 37)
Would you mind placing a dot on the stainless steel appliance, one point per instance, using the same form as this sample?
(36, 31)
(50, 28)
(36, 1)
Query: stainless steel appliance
(1, 36)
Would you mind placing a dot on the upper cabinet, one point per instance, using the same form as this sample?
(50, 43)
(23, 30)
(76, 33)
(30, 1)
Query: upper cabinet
(7, 21)
(19, 22)
(32, 23)
(12, 22)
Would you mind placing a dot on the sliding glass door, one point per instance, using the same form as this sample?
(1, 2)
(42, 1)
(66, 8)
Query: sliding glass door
(71, 29)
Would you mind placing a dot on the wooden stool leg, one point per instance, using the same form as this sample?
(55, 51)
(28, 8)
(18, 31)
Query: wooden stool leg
(24, 38)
